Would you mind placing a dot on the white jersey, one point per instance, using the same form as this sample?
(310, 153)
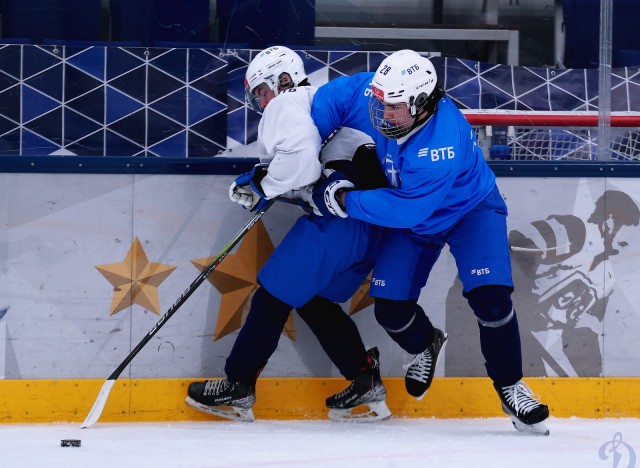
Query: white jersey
(290, 142)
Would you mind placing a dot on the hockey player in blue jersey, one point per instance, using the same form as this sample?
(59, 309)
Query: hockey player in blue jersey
(441, 192)
(331, 271)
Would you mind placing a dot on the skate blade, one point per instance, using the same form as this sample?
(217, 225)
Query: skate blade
(366, 413)
(537, 428)
(232, 413)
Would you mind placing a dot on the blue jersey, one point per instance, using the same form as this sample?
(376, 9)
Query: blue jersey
(437, 172)
(344, 102)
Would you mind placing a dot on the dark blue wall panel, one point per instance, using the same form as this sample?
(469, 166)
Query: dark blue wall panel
(160, 20)
(582, 33)
(53, 19)
(265, 22)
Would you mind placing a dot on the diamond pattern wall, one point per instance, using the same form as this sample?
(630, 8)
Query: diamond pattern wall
(96, 101)
(164, 102)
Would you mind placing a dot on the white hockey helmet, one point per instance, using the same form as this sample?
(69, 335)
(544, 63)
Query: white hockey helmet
(404, 77)
(278, 67)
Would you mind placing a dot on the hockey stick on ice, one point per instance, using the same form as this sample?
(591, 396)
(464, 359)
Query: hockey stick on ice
(98, 405)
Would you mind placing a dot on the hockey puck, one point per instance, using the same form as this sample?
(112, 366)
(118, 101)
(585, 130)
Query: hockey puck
(70, 443)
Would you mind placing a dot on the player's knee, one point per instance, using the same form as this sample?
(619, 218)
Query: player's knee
(395, 316)
(492, 305)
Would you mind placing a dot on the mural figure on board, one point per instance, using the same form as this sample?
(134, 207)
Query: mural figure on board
(564, 280)
(570, 283)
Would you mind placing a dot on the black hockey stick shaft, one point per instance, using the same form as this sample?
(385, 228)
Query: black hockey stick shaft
(98, 406)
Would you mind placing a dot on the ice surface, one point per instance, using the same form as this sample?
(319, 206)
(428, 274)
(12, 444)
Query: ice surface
(447, 443)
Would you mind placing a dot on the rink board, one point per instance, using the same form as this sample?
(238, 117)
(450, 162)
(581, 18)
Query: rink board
(133, 400)
(64, 325)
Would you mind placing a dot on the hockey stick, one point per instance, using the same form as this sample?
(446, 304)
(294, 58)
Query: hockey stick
(98, 405)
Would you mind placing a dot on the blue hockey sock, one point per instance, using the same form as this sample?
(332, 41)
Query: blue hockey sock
(499, 333)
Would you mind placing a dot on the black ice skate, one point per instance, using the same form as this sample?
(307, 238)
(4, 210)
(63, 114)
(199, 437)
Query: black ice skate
(230, 400)
(363, 399)
(526, 412)
(422, 368)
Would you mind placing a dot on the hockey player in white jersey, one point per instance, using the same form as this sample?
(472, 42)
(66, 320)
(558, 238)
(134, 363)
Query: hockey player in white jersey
(441, 191)
(326, 258)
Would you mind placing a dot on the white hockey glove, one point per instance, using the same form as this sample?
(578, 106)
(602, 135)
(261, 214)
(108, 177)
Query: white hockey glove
(305, 194)
(243, 195)
(324, 193)
(246, 191)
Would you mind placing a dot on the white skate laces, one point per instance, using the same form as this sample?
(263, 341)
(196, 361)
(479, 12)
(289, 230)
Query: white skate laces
(213, 387)
(220, 397)
(346, 391)
(520, 397)
(422, 368)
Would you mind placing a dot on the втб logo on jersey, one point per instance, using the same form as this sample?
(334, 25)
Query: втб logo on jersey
(480, 271)
(437, 154)
(377, 282)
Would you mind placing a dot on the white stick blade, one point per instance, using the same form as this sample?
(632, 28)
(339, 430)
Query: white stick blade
(98, 406)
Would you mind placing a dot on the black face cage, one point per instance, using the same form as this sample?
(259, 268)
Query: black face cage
(423, 104)
(376, 114)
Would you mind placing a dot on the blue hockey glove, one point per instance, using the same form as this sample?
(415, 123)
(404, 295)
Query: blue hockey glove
(324, 193)
(246, 190)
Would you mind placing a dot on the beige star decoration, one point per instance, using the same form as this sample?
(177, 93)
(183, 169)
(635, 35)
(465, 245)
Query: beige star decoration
(136, 280)
(236, 280)
(361, 299)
